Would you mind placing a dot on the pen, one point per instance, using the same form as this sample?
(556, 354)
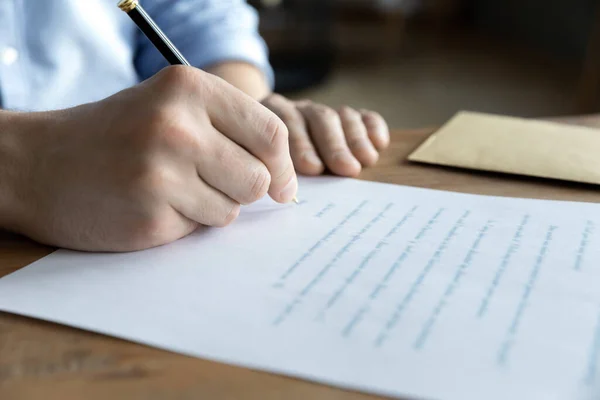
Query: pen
(158, 38)
(162, 43)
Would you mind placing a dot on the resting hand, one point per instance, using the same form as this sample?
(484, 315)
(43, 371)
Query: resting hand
(343, 140)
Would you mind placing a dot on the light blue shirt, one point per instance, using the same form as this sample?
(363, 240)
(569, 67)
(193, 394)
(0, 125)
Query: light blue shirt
(60, 53)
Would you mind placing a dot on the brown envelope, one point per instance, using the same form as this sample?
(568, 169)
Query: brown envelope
(516, 146)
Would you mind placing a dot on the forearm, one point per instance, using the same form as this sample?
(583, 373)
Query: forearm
(245, 77)
(11, 156)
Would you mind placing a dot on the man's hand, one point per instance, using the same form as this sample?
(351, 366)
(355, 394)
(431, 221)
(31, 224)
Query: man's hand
(320, 137)
(146, 166)
(343, 140)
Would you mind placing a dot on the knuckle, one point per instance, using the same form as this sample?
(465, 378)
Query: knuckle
(175, 75)
(161, 117)
(325, 112)
(177, 79)
(224, 154)
(259, 184)
(276, 133)
(336, 151)
(153, 133)
(289, 116)
(166, 129)
(348, 112)
(372, 117)
(297, 142)
(356, 142)
(304, 103)
(152, 180)
(217, 212)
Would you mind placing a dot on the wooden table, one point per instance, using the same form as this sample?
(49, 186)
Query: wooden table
(44, 360)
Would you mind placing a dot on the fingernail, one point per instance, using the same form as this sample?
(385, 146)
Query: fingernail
(311, 158)
(345, 158)
(290, 190)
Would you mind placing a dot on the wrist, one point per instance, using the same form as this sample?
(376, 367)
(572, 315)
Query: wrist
(246, 77)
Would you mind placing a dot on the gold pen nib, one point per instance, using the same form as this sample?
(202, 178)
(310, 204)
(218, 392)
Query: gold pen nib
(295, 200)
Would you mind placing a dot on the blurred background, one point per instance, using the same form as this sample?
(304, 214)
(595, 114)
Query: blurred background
(418, 62)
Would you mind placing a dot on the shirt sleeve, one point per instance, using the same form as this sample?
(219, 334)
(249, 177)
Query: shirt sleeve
(205, 32)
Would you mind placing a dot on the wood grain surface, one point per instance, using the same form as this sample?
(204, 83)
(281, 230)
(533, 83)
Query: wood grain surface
(45, 360)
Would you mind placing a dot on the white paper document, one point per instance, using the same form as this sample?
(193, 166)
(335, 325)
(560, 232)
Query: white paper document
(387, 289)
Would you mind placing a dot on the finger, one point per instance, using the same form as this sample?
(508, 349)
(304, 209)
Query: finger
(357, 136)
(229, 168)
(377, 129)
(258, 130)
(205, 205)
(327, 132)
(304, 154)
